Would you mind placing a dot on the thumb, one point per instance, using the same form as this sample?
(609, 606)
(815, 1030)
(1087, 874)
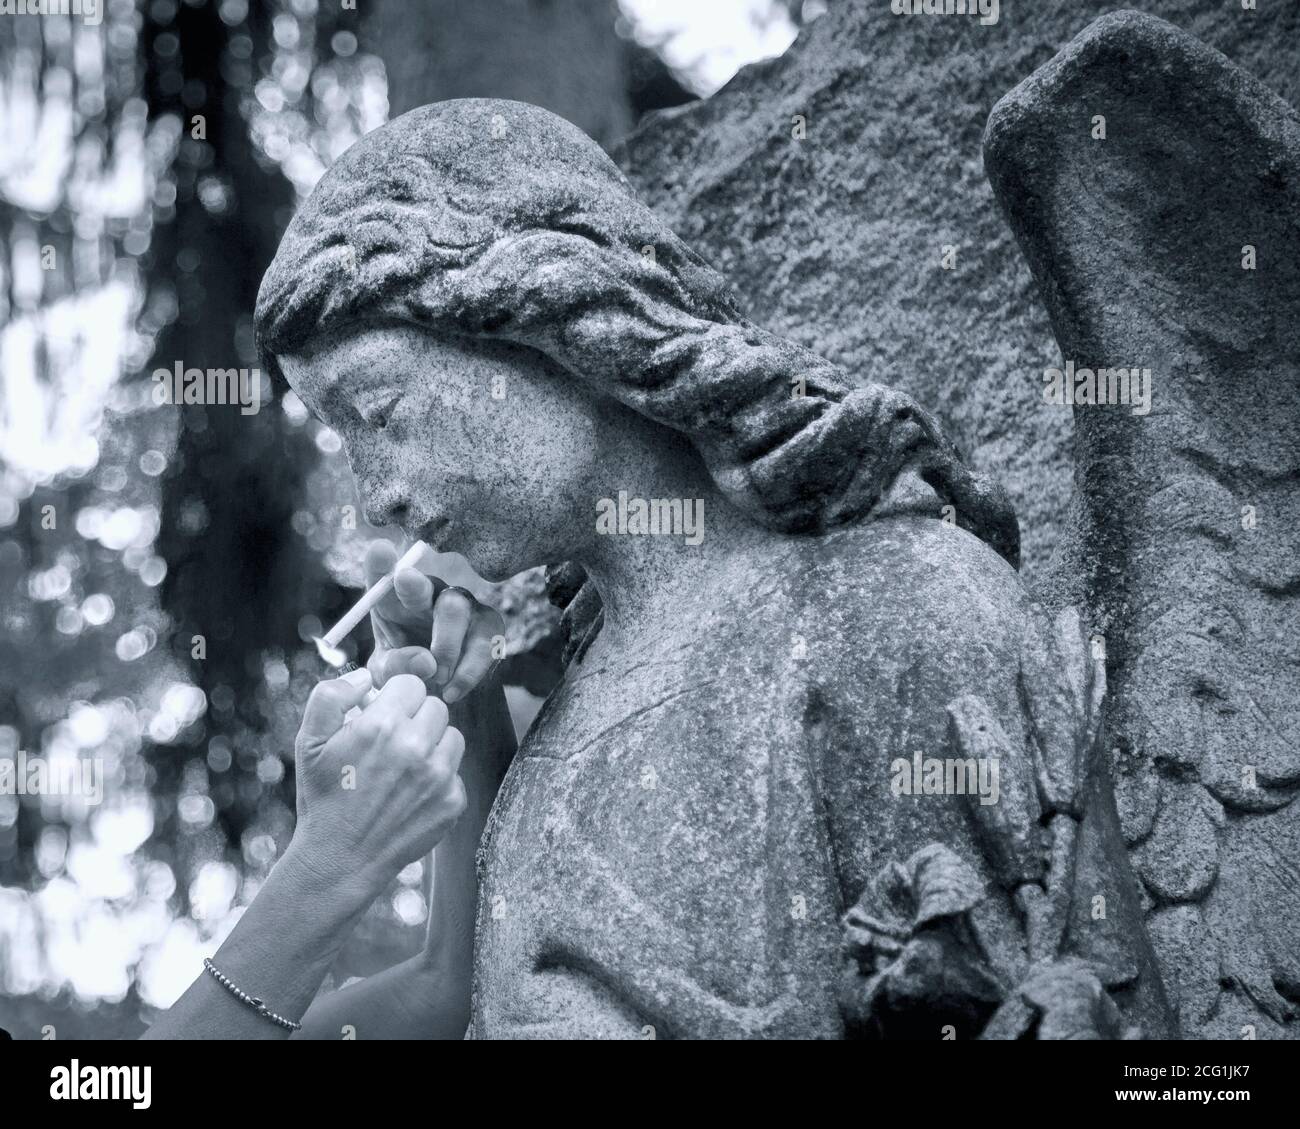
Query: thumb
(328, 706)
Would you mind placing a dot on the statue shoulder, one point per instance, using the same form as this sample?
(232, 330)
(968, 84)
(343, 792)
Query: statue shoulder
(907, 592)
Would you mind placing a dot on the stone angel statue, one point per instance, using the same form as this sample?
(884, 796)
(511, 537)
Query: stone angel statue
(829, 771)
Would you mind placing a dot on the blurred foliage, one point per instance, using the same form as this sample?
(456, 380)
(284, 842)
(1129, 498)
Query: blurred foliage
(160, 568)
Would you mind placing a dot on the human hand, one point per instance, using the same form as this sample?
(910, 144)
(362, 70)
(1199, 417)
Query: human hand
(422, 627)
(379, 791)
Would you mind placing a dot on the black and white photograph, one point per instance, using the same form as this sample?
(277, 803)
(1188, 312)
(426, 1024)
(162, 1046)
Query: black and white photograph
(596, 520)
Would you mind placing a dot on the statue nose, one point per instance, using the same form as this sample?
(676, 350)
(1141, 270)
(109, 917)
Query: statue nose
(387, 511)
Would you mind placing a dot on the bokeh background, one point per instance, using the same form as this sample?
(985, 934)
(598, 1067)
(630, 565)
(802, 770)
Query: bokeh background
(148, 164)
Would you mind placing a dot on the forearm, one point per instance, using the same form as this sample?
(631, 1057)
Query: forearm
(411, 1000)
(427, 996)
(490, 744)
(279, 951)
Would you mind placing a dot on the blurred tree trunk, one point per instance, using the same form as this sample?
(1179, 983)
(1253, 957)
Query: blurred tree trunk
(239, 575)
(564, 55)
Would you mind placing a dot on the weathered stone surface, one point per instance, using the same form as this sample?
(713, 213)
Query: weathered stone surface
(1253, 909)
(835, 240)
(1073, 1004)
(1181, 858)
(1182, 941)
(1137, 798)
(1186, 526)
(1013, 839)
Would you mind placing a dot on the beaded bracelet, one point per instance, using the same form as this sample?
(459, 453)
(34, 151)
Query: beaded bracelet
(252, 1001)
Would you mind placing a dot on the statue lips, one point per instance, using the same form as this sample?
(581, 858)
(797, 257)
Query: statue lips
(434, 533)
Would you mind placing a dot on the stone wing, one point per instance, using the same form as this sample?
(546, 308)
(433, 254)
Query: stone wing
(1154, 188)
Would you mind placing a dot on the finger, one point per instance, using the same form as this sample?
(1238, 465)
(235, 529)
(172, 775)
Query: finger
(414, 590)
(449, 750)
(386, 636)
(418, 661)
(475, 662)
(375, 664)
(430, 722)
(328, 706)
(380, 557)
(451, 616)
(397, 701)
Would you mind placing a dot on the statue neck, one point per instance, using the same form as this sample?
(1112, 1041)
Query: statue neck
(660, 549)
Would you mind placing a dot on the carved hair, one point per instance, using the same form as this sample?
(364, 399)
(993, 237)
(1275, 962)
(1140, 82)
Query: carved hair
(498, 219)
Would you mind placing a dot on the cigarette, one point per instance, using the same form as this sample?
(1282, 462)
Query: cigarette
(328, 646)
(376, 592)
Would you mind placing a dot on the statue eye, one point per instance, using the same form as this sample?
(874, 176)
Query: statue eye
(378, 419)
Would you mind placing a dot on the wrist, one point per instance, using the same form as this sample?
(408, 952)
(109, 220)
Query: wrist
(318, 873)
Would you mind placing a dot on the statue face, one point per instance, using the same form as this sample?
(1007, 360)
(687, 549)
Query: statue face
(478, 447)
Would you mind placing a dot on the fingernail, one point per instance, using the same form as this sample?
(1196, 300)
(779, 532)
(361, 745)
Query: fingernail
(426, 666)
(451, 695)
(357, 677)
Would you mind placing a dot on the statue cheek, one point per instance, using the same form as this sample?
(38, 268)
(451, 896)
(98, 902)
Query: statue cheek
(372, 464)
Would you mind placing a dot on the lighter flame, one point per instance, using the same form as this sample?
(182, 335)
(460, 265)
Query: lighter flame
(331, 655)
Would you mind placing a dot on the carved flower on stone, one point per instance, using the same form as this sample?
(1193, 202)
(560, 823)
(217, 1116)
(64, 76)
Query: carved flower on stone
(915, 966)
(914, 962)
